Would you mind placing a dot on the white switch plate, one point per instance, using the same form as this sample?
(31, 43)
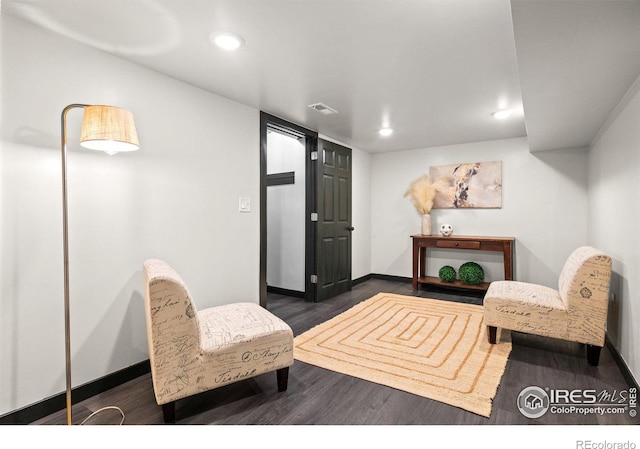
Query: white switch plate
(245, 205)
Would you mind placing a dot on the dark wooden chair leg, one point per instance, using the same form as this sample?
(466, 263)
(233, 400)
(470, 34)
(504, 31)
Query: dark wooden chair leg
(593, 355)
(283, 378)
(169, 412)
(491, 333)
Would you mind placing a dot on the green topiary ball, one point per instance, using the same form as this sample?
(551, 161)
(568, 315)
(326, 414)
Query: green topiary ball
(447, 274)
(471, 273)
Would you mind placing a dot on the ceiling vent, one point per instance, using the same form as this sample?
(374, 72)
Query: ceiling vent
(323, 108)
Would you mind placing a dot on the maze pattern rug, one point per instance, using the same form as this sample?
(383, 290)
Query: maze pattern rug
(433, 348)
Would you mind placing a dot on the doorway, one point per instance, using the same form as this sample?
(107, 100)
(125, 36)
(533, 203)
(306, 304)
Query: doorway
(286, 190)
(307, 142)
(325, 174)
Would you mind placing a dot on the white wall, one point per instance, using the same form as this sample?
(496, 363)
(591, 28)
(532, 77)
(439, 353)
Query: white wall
(544, 206)
(286, 216)
(176, 198)
(361, 210)
(614, 217)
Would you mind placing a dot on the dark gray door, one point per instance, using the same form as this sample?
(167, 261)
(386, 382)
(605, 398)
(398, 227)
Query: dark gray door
(334, 229)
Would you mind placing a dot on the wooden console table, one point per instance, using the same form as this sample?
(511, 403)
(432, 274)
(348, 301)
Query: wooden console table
(505, 245)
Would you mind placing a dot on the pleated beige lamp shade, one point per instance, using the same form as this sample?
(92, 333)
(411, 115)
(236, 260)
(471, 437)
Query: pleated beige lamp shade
(109, 129)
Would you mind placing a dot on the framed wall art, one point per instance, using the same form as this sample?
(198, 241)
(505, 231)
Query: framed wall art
(471, 185)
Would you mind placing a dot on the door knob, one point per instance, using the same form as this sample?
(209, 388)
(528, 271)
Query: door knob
(350, 228)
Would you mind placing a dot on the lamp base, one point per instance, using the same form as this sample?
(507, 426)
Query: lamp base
(110, 407)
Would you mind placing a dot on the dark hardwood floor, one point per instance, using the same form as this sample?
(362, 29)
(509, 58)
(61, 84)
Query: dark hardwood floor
(319, 396)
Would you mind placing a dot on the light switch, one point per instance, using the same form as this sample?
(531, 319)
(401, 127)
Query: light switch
(245, 205)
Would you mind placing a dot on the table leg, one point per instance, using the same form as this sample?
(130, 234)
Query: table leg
(508, 268)
(415, 265)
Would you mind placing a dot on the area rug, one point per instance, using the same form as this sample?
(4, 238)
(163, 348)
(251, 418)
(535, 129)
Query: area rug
(433, 348)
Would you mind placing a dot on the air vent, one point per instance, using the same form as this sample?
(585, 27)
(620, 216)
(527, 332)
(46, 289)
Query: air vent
(323, 108)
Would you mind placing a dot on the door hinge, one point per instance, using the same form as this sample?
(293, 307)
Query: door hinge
(314, 216)
(314, 155)
(314, 278)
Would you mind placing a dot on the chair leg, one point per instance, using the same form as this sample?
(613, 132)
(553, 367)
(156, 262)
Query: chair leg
(593, 354)
(283, 378)
(491, 333)
(169, 412)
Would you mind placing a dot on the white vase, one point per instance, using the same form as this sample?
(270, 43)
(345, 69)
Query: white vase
(425, 226)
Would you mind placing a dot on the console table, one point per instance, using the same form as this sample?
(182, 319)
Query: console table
(421, 243)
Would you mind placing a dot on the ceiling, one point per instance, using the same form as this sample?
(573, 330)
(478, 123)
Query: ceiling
(434, 70)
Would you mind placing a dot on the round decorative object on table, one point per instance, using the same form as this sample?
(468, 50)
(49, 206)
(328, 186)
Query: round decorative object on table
(471, 273)
(446, 230)
(447, 274)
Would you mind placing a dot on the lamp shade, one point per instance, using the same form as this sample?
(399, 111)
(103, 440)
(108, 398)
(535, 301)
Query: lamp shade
(109, 129)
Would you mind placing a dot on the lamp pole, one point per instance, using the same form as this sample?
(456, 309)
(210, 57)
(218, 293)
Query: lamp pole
(65, 249)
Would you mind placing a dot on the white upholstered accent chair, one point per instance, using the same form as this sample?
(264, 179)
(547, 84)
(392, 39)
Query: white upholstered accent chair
(194, 351)
(577, 311)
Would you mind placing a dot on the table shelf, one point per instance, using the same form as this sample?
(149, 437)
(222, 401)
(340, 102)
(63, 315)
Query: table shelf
(421, 243)
(434, 280)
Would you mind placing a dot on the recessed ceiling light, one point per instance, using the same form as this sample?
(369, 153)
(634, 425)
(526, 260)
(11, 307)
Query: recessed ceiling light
(227, 41)
(385, 132)
(502, 113)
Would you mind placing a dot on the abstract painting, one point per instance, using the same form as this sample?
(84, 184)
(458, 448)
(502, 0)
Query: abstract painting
(471, 185)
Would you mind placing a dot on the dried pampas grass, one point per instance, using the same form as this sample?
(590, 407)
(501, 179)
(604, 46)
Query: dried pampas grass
(423, 192)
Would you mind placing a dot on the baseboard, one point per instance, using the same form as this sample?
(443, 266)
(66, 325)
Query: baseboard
(58, 402)
(388, 277)
(624, 369)
(285, 292)
(360, 280)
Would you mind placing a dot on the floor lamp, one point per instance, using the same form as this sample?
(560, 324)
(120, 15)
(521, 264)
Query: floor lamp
(104, 128)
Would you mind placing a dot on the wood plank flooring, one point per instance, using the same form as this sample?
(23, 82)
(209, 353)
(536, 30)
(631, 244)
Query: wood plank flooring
(319, 396)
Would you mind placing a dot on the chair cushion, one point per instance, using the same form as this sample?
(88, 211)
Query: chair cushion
(232, 324)
(525, 307)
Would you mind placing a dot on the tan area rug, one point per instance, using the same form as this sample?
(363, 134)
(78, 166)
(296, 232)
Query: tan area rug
(432, 348)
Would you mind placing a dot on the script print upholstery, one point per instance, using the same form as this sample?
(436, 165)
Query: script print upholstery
(194, 351)
(577, 311)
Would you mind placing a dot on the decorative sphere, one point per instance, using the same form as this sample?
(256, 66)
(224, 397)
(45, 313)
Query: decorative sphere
(471, 273)
(447, 274)
(446, 230)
